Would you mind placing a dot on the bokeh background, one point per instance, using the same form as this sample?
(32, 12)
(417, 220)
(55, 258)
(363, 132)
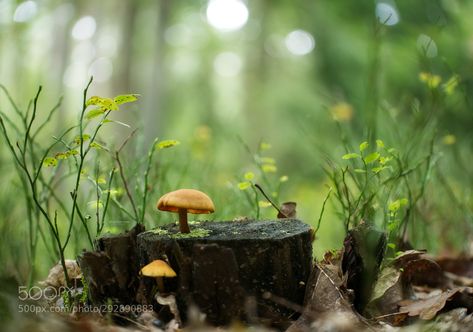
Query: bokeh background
(234, 81)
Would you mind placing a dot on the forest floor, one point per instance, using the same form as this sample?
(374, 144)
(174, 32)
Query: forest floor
(412, 292)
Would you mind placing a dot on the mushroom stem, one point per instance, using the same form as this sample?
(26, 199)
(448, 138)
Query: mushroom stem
(183, 226)
(160, 282)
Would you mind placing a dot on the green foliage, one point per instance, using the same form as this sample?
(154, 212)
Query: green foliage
(40, 170)
(369, 186)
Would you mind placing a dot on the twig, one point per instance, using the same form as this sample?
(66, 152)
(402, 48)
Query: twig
(269, 200)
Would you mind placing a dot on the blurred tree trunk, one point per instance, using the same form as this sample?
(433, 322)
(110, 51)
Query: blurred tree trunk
(256, 72)
(155, 95)
(123, 79)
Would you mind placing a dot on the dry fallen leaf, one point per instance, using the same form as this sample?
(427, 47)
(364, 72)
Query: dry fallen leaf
(288, 210)
(428, 308)
(325, 299)
(56, 274)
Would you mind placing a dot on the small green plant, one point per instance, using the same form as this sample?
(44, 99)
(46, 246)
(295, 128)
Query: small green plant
(380, 186)
(43, 170)
(266, 170)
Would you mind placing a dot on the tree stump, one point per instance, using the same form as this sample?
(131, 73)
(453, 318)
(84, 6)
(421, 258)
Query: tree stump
(231, 270)
(111, 270)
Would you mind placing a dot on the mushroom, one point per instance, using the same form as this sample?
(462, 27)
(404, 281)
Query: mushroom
(158, 269)
(185, 201)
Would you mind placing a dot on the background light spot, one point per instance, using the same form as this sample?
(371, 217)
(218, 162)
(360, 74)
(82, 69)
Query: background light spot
(227, 15)
(299, 42)
(386, 14)
(427, 46)
(25, 11)
(84, 28)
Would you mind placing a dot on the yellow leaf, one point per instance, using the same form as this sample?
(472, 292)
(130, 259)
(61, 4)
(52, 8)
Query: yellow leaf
(95, 113)
(249, 176)
(350, 156)
(363, 146)
(371, 158)
(244, 185)
(264, 146)
(167, 144)
(95, 204)
(264, 204)
(61, 155)
(50, 162)
(268, 168)
(122, 99)
(101, 180)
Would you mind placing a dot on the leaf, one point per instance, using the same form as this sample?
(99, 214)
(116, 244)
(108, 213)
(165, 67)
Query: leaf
(384, 160)
(359, 170)
(264, 146)
(350, 156)
(372, 157)
(101, 180)
(167, 144)
(264, 204)
(451, 84)
(95, 145)
(122, 99)
(72, 152)
(249, 176)
(244, 185)
(363, 146)
(61, 155)
(94, 113)
(428, 308)
(379, 143)
(268, 168)
(394, 206)
(77, 139)
(50, 162)
(108, 104)
(94, 100)
(378, 169)
(95, 204)
(288, 210)
(283, 178)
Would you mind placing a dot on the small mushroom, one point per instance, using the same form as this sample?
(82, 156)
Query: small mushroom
(185, 201)
(158, 269)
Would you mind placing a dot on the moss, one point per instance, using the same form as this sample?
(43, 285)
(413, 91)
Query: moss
(195, 232)
(159, 231)
(200, 232)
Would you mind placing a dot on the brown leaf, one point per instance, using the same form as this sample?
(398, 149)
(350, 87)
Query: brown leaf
(428, 308)
(424, 272)
(462, 266)
(407, 256)
(326, 298)
(288, 210)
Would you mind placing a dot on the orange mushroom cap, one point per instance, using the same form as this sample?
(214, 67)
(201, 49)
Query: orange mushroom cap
(158, 268)
(194, 201)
